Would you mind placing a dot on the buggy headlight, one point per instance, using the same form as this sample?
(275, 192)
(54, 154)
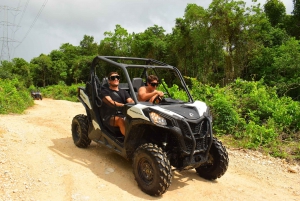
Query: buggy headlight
(157, 119)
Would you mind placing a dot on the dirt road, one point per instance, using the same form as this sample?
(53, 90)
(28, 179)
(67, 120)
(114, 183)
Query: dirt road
(38, 161)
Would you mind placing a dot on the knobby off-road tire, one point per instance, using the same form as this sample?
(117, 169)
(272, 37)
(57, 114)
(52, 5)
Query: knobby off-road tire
(80, 131)
(152, 169)
(217, 162)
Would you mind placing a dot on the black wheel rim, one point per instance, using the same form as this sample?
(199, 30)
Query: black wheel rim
(145, 171)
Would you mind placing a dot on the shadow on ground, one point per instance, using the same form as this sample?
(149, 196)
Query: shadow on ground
(101, 161)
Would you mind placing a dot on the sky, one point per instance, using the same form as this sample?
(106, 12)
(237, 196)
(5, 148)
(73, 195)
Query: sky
(29, 28)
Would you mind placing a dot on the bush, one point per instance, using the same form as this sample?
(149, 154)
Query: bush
(174, 91)
(255, 135)
(61, 92)
(14, 97)
(253, 114)
(224, 114)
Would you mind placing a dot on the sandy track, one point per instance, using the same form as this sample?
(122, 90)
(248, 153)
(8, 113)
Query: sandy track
(38, 161)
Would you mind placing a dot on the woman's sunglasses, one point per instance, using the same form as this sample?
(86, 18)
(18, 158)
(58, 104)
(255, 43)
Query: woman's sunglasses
(113, 77)
(154, 84)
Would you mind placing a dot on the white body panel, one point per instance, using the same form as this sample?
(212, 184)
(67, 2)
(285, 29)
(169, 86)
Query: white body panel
(201, 107)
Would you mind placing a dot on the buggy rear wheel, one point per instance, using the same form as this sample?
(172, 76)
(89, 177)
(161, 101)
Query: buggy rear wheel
(152, 169)
(80, 131)
(217, 162)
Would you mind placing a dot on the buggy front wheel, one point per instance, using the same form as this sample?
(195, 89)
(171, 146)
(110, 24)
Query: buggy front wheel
(80, 131)
(217, 162)
(152, 169)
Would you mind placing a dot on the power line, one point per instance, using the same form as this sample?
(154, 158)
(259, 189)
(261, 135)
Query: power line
(14, 31)
(7, 43)
(39, 13)
(23, 11)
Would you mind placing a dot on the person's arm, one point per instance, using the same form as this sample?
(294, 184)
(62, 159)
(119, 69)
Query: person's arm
(129, 100)
(128, 97)
(144, 96)
(114, 102)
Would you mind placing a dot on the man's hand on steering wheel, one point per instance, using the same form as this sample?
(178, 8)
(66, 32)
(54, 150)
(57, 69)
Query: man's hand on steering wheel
(157, 99)
(160, 93)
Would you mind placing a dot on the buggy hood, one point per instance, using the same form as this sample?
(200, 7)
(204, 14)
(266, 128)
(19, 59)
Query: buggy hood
(190, 111)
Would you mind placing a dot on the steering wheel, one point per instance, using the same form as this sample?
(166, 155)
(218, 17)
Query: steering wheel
(157, 99)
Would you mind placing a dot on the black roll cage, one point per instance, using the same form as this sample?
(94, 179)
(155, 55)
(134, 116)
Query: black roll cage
(149, 63)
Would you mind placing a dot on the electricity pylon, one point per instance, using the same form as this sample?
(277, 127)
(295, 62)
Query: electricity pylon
(7, 46)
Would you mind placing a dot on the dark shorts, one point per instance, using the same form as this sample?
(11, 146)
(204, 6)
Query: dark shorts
(107, 118)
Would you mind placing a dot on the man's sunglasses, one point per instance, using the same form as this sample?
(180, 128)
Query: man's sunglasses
(154, 84)
(113, 77)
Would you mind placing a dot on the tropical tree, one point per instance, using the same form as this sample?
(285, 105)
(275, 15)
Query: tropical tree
(150, 44)
(275, 11)
(56, 55)
(17, 68)
(41, 70)
(206, 52)
(116, 43)
(88, 46)
(216, 44)
(81, 68)
(286, 74)
(296, 19)
(70, 53)
(59, 71)
(59, 66)
(5, 69)
(230, 25)
(21, 69)
(190, 42)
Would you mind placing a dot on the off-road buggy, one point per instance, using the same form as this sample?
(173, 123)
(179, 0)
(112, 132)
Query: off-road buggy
(36, 95)
(172, 135)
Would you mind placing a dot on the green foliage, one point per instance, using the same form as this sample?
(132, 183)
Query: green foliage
(41, 70)
(17, 68)
(280, 67)
(203, 92)
(252, 113)
(286, 68)
(80, 69)
(88, 46)
(225, 115)
(174, 92)
(61, 91)
(259, 103)
(294, 20)
(215, 45)
(14, 98)
(222, 105)
(255, 135)
(275, 10)
(150, 44)
(117, 43)
(5, 70)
